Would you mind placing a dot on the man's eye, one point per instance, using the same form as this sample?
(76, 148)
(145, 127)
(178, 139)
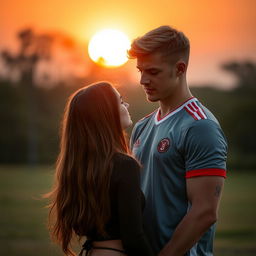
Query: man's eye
(153, 72)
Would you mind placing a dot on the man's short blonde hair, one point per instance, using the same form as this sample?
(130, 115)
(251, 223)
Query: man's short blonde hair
(165, 39)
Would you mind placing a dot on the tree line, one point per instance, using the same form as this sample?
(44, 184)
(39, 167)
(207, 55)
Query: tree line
(30, 115)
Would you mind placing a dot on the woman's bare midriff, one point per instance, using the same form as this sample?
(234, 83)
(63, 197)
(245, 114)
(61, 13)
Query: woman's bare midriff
(116, 244)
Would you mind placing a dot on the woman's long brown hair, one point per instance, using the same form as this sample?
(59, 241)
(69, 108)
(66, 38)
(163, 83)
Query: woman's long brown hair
(91, 134)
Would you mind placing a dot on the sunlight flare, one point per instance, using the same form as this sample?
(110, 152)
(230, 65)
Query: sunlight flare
(109, 48)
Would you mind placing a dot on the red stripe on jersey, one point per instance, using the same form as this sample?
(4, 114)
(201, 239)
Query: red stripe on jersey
(199, 110)
(206, 172)
(190, 112)
(159, 118)
(195, 111)
(190, 106)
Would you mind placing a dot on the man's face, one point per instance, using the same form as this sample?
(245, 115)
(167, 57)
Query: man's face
(158, 77)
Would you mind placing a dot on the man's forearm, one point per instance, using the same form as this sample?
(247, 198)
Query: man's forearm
(188, 232)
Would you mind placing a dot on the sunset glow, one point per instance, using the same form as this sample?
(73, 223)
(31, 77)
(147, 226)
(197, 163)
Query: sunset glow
(109, 48)
(219, 31)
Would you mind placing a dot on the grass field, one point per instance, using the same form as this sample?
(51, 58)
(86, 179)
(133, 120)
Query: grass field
(23, 214)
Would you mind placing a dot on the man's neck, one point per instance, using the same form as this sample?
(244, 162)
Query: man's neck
(174, 101)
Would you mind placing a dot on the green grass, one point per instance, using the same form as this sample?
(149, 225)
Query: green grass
(23, 216)
(236, 230)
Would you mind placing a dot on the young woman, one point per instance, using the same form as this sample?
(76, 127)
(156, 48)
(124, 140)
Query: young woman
(97, 185)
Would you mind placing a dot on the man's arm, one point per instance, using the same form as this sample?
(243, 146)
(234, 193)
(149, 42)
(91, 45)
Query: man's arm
(204, 194)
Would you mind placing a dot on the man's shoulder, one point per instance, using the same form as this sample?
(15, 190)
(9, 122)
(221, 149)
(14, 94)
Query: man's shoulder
(196, 114)
(194, 119)
(207, 131)
(145, 119)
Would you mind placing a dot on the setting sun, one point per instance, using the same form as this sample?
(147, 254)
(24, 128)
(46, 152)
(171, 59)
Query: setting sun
(109, 48)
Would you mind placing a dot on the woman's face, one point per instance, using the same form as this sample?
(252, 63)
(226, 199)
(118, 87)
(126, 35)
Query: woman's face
(124, 113)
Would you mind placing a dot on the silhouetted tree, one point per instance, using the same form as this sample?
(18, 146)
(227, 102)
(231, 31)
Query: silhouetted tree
(32, 49)
(35, 48)
(245, 72)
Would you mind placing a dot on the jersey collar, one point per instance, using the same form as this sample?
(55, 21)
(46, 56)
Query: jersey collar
(159, 120)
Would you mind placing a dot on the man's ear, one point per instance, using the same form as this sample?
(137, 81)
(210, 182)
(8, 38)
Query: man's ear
(181, 68)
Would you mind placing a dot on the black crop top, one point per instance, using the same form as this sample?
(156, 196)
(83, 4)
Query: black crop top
(127, 203)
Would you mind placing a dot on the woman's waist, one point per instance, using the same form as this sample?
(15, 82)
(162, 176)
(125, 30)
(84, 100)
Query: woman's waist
(117, 244)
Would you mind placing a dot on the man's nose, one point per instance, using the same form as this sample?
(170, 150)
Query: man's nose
(144, 80)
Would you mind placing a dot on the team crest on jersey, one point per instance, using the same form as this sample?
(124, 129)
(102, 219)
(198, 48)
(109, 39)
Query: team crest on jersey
(163, 145)
(137, 143)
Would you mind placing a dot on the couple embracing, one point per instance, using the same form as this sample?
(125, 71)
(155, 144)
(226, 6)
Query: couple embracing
(160, 196)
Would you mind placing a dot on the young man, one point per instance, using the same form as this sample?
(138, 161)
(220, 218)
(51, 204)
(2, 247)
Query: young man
(181, 147)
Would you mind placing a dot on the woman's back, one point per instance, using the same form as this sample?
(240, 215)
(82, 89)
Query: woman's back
(127, 202)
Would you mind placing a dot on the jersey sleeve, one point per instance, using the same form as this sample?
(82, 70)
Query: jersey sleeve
(205, 150)
(130, 212)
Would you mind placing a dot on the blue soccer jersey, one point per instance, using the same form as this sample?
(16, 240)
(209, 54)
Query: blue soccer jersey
(187, 142)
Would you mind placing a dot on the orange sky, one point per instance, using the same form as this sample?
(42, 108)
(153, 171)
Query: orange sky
(218, 30)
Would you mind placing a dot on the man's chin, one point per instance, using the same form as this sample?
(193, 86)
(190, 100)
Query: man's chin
(151, 99)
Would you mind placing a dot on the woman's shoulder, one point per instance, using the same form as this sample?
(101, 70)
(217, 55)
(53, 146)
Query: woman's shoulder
(124, 158)
(124, 164)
